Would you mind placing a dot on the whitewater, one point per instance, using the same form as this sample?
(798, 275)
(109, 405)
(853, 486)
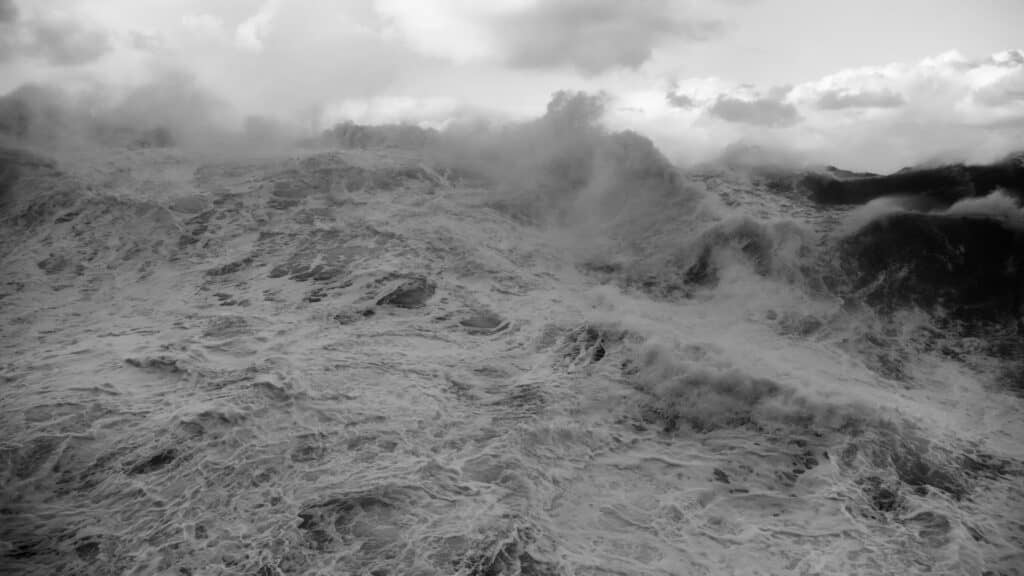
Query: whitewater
(514, 357)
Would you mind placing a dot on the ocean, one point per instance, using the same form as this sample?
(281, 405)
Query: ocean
(547, 352)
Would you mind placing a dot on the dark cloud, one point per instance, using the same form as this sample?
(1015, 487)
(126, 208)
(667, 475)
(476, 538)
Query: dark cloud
(680, 100)
(595, 35)
(8, 11)
(839, 100)
(764, 111)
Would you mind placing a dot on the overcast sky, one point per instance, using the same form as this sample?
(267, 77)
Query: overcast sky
(870, 84)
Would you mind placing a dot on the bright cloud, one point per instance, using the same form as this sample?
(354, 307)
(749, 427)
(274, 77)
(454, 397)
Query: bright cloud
(434, 112)
(251, 33)
(841, 99)
(590, 36)
(877, 117)
(203, 24)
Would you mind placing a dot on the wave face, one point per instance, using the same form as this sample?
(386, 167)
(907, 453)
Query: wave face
(537, 351)
(965, 264)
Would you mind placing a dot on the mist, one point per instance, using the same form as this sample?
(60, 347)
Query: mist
(171, 111)
(560, 167)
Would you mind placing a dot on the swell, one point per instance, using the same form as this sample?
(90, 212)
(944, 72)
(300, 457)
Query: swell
(360, 452)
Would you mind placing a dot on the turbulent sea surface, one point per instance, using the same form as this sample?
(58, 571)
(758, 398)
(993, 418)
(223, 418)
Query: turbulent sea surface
(370, 362)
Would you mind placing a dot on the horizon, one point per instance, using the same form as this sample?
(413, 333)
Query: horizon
(695, 77)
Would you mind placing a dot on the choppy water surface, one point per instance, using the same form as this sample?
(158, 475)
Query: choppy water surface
(355, 363)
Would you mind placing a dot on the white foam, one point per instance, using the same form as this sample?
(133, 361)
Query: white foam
(998, 204)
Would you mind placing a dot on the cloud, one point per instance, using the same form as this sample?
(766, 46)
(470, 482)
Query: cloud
(8, 30)
(251, 33)
(262, 57)
(67, 42)
(434, 112)
(450, 30)
(420, 61)
(1008, 89)
(56, 39)
(1006, 93)
(839, 100)
(877, 118)
(940, 88)
(764, 111)
(8, 11)
(678, 100)
(589, 36)
(203, 24)
(594, 36)
(1008, 58)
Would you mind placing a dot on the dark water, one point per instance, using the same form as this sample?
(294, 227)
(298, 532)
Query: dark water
(364, 363)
